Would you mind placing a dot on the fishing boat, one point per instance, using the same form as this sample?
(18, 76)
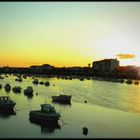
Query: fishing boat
(6, 103)
(47, 113)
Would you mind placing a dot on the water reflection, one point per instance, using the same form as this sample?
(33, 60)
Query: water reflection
(6, 113)
(29, 96)
(62, 103)
(46, 126)
(7, 91)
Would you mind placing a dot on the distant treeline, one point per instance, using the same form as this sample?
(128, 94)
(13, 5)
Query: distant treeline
(120, 72)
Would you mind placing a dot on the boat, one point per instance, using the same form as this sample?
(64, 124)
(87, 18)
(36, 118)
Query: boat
(41, 83)
(61, 98)
(6, 103)
(28, 90)
(136, 82)
(16, 89)
(129, 81)
(47, 83)
(121, 80)
(81, 78)
(35, 81)
(46, 114)
(7, 87)
(18, 79)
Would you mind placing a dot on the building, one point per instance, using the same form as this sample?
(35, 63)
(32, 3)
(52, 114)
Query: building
(105, 65)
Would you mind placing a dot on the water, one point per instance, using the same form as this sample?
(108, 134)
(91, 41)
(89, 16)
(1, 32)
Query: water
(112, 109)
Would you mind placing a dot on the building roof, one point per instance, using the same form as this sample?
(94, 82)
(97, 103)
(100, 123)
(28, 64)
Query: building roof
(105, 60)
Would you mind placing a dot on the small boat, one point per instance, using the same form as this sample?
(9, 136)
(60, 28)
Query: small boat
(28, 90)
(16, 89)
(121, 80)
(35, 81)
(47, 113)
(41, 83)
(7, 87)
(6, 103)
(136, 82)
(129, 81)
(47, 83)
(81, 78)
(18, 79)
(61, 98)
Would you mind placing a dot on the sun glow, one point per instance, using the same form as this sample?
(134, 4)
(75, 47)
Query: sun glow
(68, 34)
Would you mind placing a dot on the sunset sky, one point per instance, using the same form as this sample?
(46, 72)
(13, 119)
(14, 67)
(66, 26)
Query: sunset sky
(69, 33)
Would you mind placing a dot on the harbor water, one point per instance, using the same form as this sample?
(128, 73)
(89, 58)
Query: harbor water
(112, 109)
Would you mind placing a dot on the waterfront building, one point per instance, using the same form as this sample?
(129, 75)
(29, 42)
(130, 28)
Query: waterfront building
(105, 65)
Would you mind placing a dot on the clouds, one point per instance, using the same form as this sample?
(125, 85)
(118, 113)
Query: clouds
(125, 56)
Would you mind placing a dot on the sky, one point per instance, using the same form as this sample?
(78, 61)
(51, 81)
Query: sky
(69, 33)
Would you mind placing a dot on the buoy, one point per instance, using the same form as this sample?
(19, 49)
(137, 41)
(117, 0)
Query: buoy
(85, 130)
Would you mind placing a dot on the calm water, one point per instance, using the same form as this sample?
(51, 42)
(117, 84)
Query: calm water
(112, 109)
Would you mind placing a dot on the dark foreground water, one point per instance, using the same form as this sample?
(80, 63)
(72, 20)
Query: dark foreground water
(112, 109)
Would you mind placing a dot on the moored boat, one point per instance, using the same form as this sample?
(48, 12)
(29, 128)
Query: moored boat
(62, 98)
(47, 113)
(7, 87)
(6, 103)
(18, 79)
(136, 82)
(16, 89)
(28, 90)
(129, 81)
(35, 81)
(47, 83)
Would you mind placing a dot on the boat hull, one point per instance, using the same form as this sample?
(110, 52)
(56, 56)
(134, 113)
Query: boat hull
(61, 99)
(39, 116)
(7, 113)
(7, 106)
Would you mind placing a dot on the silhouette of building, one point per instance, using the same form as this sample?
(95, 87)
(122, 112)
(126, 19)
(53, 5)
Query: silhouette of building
(105, 65)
